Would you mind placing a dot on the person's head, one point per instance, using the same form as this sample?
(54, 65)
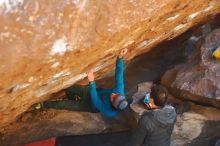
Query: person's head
(118, 101)
(159, 95)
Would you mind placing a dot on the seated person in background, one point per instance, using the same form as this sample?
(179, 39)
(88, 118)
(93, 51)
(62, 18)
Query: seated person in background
(215, 52)
(109, 102)
(157, 119)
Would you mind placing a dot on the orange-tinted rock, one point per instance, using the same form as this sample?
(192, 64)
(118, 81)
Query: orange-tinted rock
(48, 45)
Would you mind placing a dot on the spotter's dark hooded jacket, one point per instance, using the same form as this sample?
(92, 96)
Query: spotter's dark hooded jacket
(154, 128)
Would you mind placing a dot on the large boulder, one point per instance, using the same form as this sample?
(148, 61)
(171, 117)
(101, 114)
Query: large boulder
(198, 79)
(39, 125)
(198, 126)
(48, 45)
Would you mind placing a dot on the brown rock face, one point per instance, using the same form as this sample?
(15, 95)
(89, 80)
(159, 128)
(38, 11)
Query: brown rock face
(198, 80)
(48, 45)
(198, 126)
(39, 125)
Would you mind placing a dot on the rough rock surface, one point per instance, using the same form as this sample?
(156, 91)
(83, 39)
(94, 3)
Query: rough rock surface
(198, 126)
(40, 125)
(198, 80)
(48, 45)
(35, 125)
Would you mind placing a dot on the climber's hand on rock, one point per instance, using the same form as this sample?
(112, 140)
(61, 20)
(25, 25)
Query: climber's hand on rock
(90, 76)
(122, 52)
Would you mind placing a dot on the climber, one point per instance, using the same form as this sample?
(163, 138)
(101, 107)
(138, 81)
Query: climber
(157, 121)
(109, 102)
(215, 52)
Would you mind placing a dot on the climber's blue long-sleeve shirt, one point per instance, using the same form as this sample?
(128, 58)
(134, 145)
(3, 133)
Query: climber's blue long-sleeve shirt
(101, 99)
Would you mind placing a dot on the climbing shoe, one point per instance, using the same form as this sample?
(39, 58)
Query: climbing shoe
(38, 106)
